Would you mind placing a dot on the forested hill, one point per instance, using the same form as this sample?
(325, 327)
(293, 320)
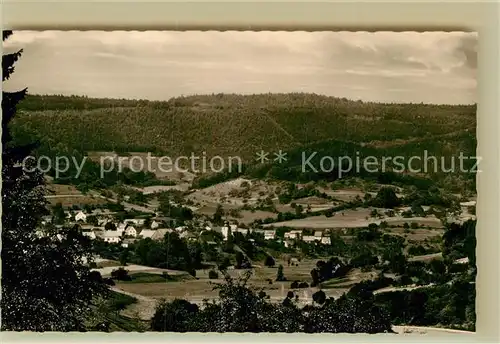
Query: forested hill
(230, 124)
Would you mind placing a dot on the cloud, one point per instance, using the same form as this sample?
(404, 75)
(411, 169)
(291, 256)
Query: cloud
(436, 67)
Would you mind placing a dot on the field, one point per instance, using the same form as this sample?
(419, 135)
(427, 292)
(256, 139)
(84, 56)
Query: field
(68, 196)
(196, 290)
(140, 161)
(354, 219)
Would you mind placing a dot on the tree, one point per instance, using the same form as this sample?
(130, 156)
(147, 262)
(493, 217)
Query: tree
(224, 264)
(319, 297)
(279, 275)
(270, 262)
(240, 259)
(124, 257)
(386, 198)
(92, 219)
(219, 213)
(45, 284)
(58, 212)
(315, 277)
(174, 316)
(110, 226)
(121, 274)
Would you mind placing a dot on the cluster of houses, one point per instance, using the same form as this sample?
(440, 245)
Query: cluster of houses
(105, 227)
(270, 234)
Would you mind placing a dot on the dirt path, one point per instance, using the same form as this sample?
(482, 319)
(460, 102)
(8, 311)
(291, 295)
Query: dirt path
(127, 205)
(144, 308)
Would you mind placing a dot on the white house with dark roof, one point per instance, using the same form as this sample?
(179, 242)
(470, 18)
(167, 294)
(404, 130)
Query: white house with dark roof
(80, 217)
(295, 234)
(269, 234)
(130, 231)
(110, 236)
(309, 238)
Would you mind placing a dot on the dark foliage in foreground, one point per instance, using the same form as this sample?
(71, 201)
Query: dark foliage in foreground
(45, 284)
(241, 309)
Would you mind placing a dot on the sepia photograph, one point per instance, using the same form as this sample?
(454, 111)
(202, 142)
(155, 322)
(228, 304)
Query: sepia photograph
(239, 181)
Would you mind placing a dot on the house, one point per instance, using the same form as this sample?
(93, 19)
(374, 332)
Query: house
(225, 230)
(466, 206)
(462, 260)
(326, 241)
(90, 234)
(180, 229)
(80, 216)
(130, 231)
(146, 233)
(110, 236)
(318, 234)
(160, 233)
(269, 234)
(126, 242)
(137, 222)
(155, 224)
(189, 236)
(121, 227)
(309, 238)
(86, 228)
(293, 234)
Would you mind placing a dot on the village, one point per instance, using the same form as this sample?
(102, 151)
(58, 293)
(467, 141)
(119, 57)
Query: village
(102, 224)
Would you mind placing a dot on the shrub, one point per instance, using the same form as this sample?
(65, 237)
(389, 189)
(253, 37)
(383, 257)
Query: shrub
(279, 275)
(109, 281)
(174, 316)
(319, 297)
(270, 262)
(121, 275)
(212, 274)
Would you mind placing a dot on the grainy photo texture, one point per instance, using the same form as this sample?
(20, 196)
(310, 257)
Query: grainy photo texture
(206, 181)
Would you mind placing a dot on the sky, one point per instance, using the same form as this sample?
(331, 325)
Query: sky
(428, 67)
